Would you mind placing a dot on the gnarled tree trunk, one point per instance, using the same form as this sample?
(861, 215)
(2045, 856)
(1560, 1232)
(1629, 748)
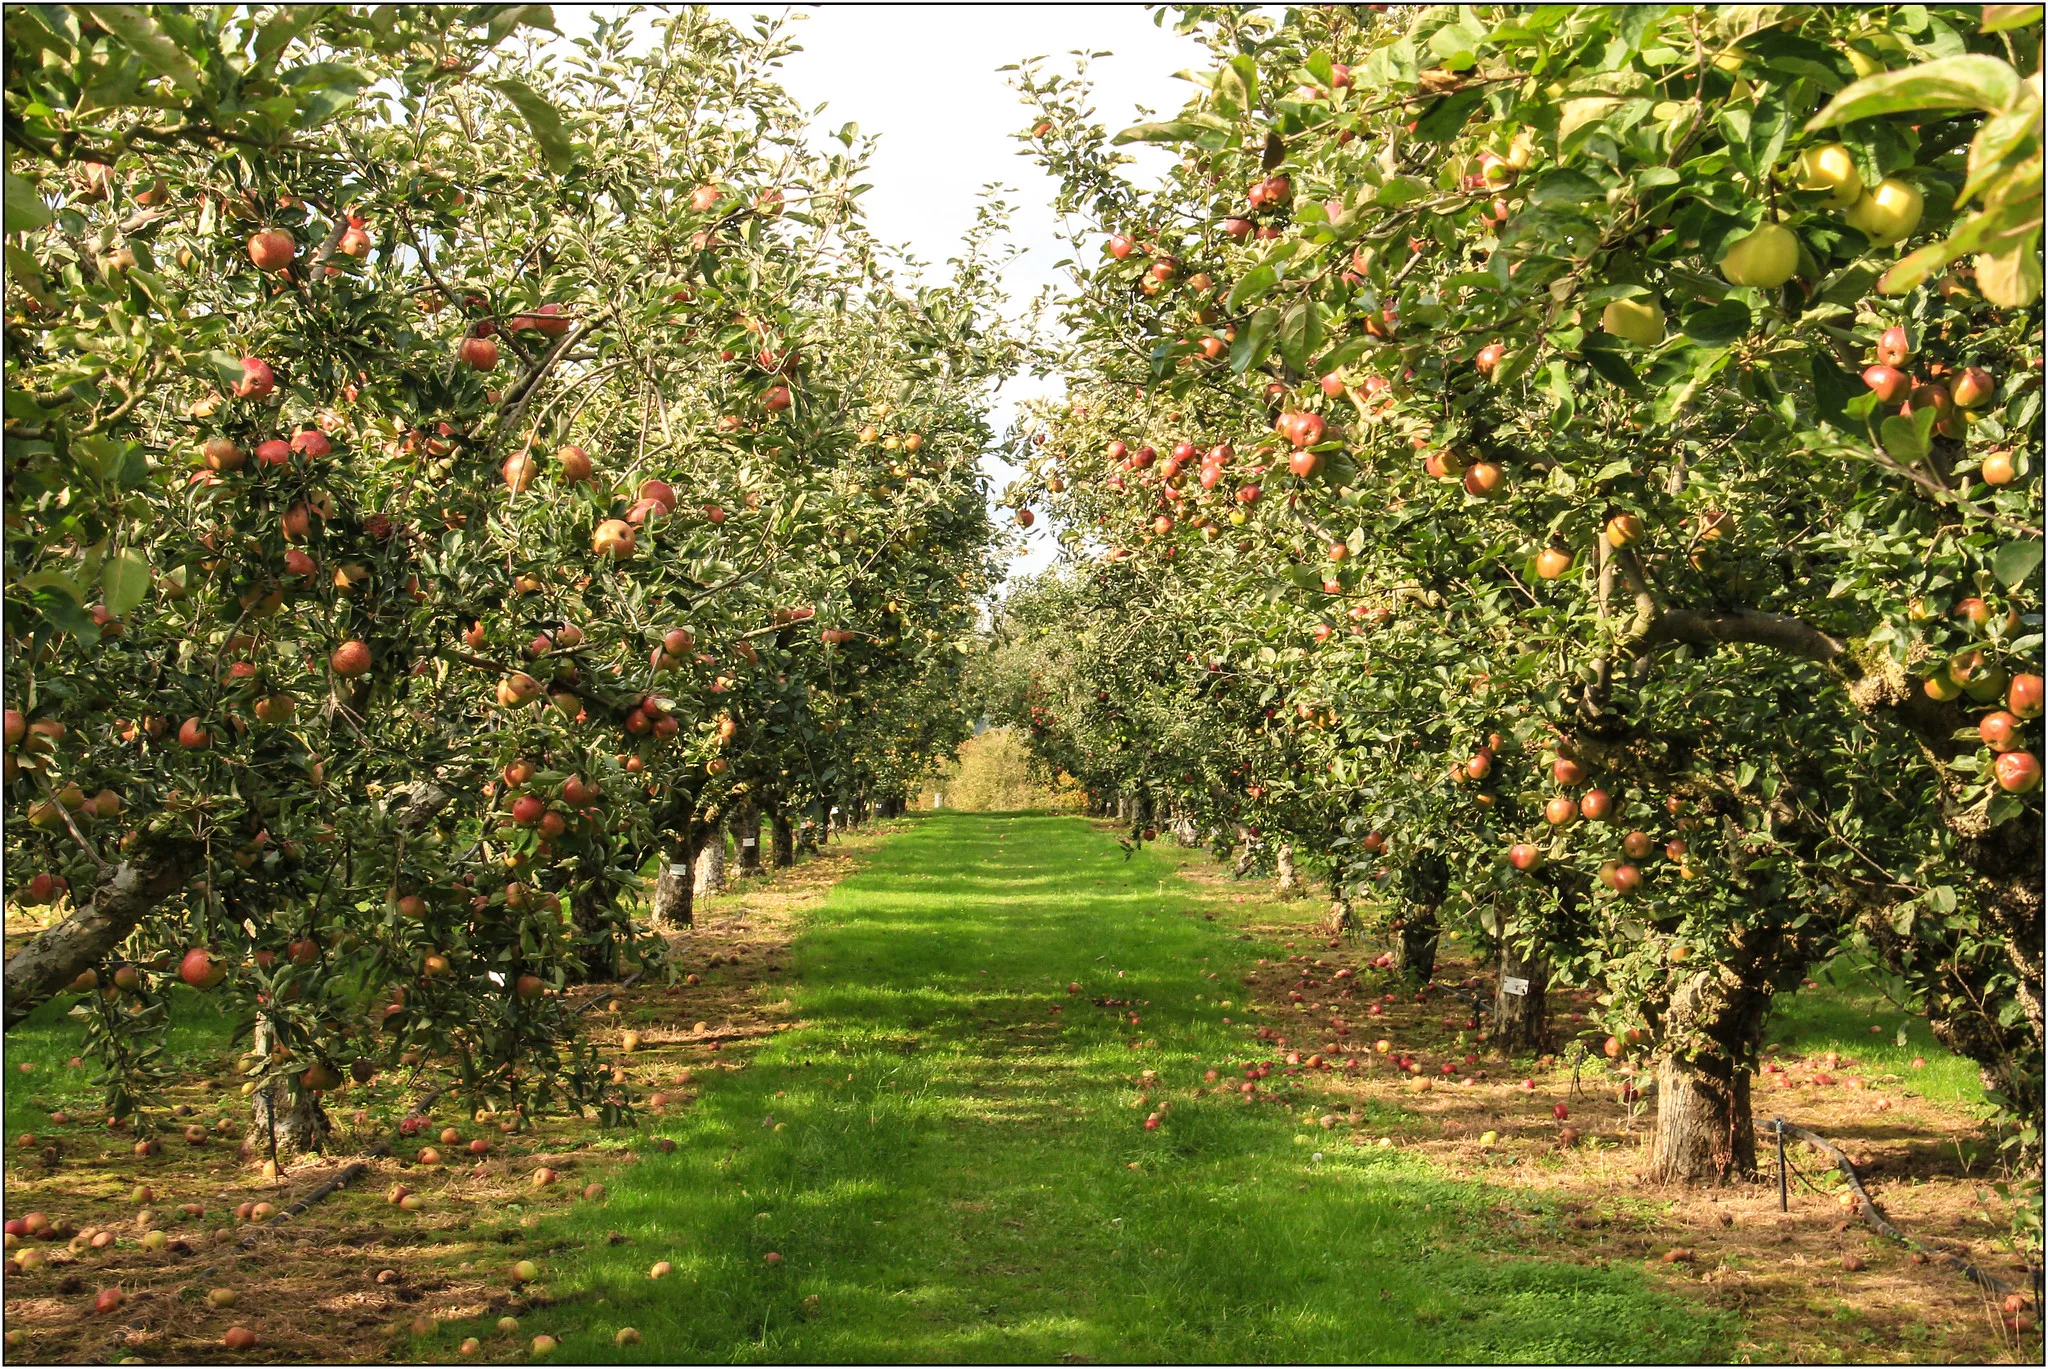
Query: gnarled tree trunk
(1704, 1131)
(783, 833)
(1287, 885)
(283, 1125)
(1708, 1044)
(1415, 944)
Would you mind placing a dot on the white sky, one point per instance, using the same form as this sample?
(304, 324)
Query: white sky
(924, 78)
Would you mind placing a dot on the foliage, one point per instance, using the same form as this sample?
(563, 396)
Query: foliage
(442, 471)
(1471, 424)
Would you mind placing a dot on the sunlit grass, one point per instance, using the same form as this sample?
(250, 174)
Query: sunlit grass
(982, 1188)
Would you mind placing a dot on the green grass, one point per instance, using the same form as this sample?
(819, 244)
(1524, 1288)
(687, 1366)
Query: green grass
(943, 1162)
(1837, 1015)
(49, 1038)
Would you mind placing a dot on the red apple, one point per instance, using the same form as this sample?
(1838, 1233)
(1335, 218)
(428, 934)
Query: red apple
(1482, 479)
(193, 736)
(2000, 730)
(1972, 387)
(350, 659)
(478, 353)
(2018, 772)
(1560, 811)
(272, 249)
(201, 968)
(1597, 805)
(1888, 383)
(1524, 856)
(2023, 696)
(257, 379)
(1565, 770)
(1893, 347)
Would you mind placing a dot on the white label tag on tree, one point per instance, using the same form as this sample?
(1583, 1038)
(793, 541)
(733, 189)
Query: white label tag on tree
(1514, 987)
(678, 869)
(749, 841)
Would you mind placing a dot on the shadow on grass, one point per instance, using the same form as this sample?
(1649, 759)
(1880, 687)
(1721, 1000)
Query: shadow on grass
(950, 1169)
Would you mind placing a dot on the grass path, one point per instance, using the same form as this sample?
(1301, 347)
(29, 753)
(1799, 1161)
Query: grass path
(949, 1157)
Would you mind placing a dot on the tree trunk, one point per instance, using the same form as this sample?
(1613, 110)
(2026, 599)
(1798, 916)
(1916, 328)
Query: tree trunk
(708, 880)
(1704, 1129)
(784, 835)
(1518, 1017)
(1415, 950)
(1709, 1039)
(675, 890)
(284, 1125)
(824, 824)
(746, 831)
(1283, 861)
(1340, 919)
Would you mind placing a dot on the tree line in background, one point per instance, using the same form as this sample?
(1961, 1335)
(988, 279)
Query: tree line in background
(449, 475)
(1571, 475)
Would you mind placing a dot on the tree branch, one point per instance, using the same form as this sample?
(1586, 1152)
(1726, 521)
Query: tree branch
(59, 954)
(1772, 630)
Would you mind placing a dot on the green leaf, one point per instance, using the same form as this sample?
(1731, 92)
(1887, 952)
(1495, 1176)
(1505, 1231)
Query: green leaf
(1586, 109)
(1174, 131)
(1833, 388)
(1400, 190)
(1720, 325)
(543, 120)
(1447, 116)
(1254, 341)
(1343, 355)
(1237, 83)
(2015, 562)
(1999, 18)
(1902, 441)
(513, 17)
(1971, 81)
(1252, 284)
(125, 580)
(1566, 187)
(287, 23)
(26, 211)
(1613, 368)
(325, 76)
(147, 39)
(1301, 333)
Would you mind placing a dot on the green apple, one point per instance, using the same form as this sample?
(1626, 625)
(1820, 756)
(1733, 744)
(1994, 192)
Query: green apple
(1829, 167)
(1888, 213)
(1766, 258)
(1641, 321)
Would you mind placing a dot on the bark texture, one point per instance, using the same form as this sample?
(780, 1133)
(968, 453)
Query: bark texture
(1415, 946)
(675, 891)
(746, 831)
(783, 833)
(284, 1123)
(59, 954)
(709, 879)
(1286, 883)
(1518, 1019)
